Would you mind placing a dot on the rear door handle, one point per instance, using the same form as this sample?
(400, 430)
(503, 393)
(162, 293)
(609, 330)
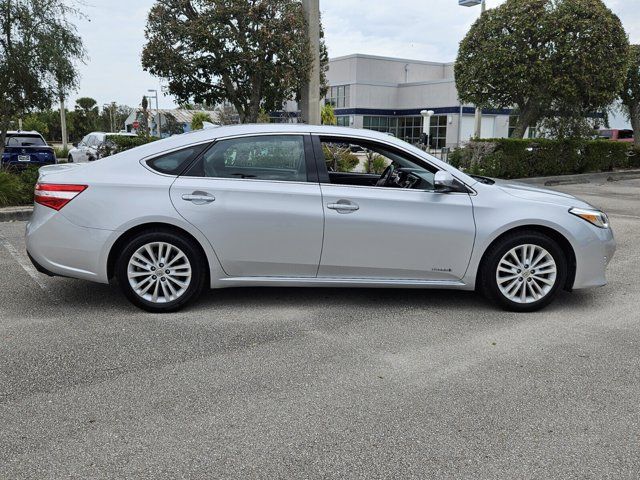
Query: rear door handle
(199, 198)
(344, 207)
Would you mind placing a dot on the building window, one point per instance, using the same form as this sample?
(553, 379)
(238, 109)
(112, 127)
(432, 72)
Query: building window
(410, 129)
(381, 124)
(338, 97)
(343, 120)
(438, 132)
(513, 122)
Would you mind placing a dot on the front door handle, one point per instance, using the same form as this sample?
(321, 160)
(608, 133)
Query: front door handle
(199, 198)
(343, 207)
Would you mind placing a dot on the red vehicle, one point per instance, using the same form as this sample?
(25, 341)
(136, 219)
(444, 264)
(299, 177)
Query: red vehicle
(617, 135)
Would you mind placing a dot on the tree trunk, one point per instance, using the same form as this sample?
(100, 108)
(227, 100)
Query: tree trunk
(4, 126)
(63, 124)
(634, 115)
(528, 116)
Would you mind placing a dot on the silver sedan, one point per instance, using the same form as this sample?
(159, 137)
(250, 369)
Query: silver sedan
(286, 205)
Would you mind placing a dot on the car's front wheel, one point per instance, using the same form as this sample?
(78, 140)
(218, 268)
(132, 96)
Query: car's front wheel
(161, 271)
(524, 271)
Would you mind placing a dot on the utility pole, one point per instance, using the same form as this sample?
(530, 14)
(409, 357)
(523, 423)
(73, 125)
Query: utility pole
(478, 123)
(478, 119)
(159, 118)
(63, 123)
(310, 101)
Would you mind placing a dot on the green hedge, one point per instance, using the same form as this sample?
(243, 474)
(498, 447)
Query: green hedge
(17, 188)
(515, 158)
(119, 143)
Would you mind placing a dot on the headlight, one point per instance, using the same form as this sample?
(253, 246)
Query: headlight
(595, 217)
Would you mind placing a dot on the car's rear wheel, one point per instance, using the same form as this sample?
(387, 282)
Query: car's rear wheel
(161, 271)
(70, 159)
(524, 272)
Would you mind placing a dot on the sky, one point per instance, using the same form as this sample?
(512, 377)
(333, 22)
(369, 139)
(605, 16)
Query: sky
(113, 33)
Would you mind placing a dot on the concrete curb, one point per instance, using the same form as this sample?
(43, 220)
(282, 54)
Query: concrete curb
(15, 214)
(602, 177)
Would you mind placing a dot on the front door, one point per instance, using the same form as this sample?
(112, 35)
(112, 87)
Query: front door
(397, 227)
(257, 203)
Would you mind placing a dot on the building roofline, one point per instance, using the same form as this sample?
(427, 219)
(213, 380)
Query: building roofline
(389, 59)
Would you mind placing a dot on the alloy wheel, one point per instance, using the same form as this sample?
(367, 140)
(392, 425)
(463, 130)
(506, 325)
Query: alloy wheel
(526, 274)
(159, 272)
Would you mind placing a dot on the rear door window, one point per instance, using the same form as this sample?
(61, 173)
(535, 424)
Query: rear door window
(268, 157)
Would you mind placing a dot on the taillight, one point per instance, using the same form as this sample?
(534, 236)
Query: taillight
(57, 196)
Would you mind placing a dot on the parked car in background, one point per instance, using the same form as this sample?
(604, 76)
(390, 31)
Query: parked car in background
(91, 146)
(23, 149)
(617, 135)
(256, 205)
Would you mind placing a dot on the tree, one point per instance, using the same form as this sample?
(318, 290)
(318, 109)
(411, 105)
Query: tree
(328, 115)
(375, 163)
(198, 119)
(253, 54)
(36, 37)
(226, 115)
(171, 126)
(544, 57)
(630, 94)
(87, 116)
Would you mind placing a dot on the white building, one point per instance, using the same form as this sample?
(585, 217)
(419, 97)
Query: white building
(387, 95)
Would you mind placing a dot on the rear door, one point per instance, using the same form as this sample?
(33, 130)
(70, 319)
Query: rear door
(258, 201)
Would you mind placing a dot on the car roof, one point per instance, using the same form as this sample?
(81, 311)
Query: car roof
(23, 132)
(217, 133)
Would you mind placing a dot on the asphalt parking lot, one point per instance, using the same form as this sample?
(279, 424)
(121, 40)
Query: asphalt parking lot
(322, 383)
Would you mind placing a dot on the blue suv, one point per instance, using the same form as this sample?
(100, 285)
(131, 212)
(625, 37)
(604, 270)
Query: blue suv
(24, 149)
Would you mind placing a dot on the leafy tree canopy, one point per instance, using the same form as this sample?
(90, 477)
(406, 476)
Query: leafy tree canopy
(630, 94)
(544, 57)
(254, 54)
(38, 48)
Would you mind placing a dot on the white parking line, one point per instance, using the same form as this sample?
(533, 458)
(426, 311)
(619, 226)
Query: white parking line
(26, 266)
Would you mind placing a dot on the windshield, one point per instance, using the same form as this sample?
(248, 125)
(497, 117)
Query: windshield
(24, 141)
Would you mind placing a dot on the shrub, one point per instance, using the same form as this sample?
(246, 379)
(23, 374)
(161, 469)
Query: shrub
(339, 158)
(119, 143)
(634, 157)
(198, 119)
(28, 179)
(62, 153)
(518, 158)
(11, 189)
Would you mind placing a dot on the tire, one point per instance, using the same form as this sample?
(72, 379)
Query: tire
(141, 271)
(70, 159)
(526, 261)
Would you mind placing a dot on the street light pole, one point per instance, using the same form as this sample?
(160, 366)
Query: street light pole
(426, 125)
(483, 8)
(478, 119)
(310, 99)
(159, 119)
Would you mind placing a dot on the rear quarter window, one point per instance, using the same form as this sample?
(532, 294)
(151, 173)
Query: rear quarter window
(175, 163)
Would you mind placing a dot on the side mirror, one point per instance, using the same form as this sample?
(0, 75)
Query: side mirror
(444, 182)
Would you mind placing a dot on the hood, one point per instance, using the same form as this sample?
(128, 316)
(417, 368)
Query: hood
(537, 194)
